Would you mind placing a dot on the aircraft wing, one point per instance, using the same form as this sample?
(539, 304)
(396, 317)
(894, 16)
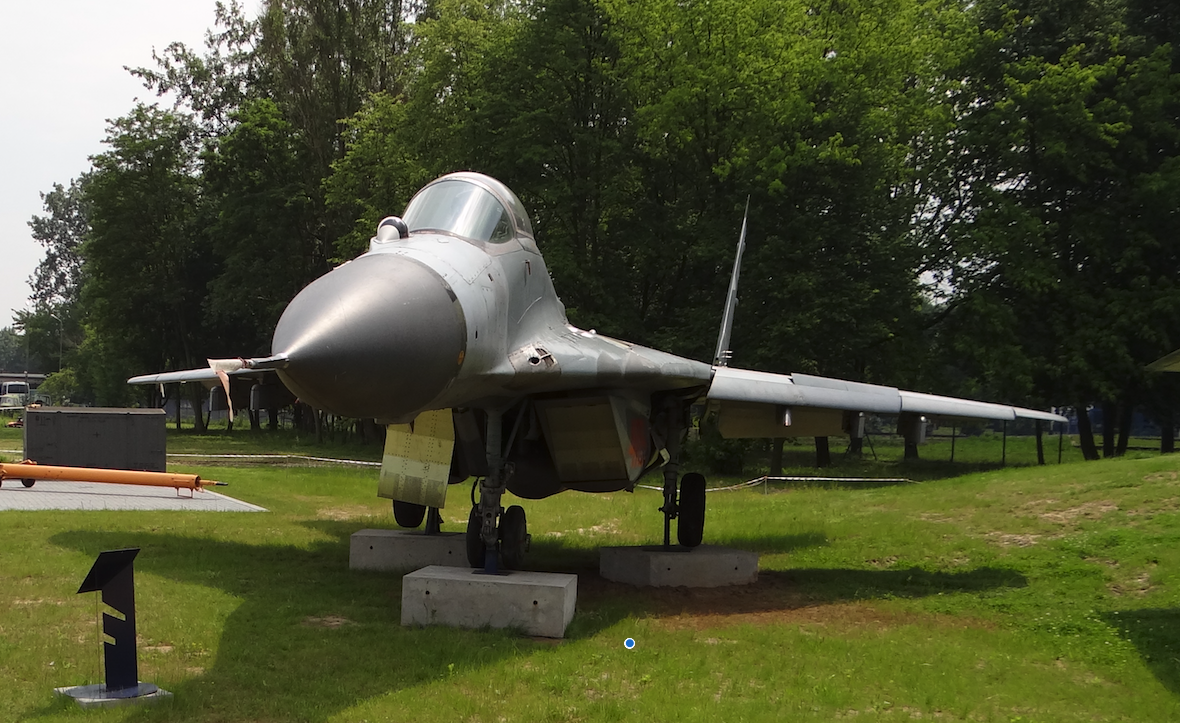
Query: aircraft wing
(1169, 363)
(821, 393)
(210, 375)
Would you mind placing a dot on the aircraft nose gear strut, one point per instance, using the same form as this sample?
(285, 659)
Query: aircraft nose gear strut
(497, 536)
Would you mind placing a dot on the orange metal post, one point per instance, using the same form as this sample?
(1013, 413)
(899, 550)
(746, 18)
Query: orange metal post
(33, 471)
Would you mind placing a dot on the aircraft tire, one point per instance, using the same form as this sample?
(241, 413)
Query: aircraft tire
(475, 546)
(514, 537)
(408, 514)
(690, 527)
(28, 482)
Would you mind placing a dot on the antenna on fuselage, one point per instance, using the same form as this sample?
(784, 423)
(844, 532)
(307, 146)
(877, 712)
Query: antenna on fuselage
(721, 358)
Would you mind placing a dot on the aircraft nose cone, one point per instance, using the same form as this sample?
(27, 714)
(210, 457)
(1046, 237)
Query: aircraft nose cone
(380, 336)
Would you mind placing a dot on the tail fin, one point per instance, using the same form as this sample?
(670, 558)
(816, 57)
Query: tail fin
(721, 358)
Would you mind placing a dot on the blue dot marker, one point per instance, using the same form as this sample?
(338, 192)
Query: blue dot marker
(629, 643)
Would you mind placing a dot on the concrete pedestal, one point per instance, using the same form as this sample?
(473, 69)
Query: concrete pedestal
(704, 566)
(539, 603)
(404, 550)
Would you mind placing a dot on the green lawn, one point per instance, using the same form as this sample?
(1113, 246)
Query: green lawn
(1021, 594)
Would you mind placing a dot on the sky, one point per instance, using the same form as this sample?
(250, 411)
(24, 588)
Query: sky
(61, 78)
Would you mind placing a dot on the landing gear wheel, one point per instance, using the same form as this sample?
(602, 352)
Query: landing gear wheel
(475, 546)
(408, 514)
(28, 482)
(690, 528)
(514, 537)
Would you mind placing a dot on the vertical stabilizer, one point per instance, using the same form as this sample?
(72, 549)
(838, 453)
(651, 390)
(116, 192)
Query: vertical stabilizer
(721, 358)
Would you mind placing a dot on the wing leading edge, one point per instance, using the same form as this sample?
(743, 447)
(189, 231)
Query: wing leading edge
(746, 387)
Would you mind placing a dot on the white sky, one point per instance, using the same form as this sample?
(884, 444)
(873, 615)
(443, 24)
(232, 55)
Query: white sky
(61, 78)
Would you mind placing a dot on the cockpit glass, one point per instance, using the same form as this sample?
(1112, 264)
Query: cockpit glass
(461, 208)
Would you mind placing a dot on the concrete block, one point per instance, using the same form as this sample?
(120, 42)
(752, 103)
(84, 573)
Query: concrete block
(539, 603)
(405, 549)
(704, 566)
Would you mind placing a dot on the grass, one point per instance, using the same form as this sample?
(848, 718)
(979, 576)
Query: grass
(1020, 594)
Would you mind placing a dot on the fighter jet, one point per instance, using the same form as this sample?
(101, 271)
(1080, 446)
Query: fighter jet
(448, 331)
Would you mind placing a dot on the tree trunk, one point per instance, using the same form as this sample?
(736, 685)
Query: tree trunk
(319, 425)
(776, 457)
(1167, 434)
(1086, 434)
(198, 394)
(823, 454)
(911, 450)
(1040, 444)
(1126, 412)
(272, 418)
(1109, 414)
(255, 419)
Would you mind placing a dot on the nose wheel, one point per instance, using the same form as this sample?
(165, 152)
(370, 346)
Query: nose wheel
(513, 539)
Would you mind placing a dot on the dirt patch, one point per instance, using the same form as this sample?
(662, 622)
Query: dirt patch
(609, 527)
(1162, 477)
(777, 598)
(327, 621)
(1087, 511)
(340, 514)
(1138, 586)
(836, 615)
(162, 648)
(1006, 539)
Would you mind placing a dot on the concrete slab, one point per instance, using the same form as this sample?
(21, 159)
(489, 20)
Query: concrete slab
(704, 566)
(539, 603)
(405, 550)
(96, 696)
(57, 495)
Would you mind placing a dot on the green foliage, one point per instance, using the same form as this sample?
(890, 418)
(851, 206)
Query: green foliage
(263, 233)
(1067, 264)
(12, 350)
(145, 270)
(61, 386)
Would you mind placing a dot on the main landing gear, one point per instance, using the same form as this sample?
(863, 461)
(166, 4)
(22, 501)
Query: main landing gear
(690, 508)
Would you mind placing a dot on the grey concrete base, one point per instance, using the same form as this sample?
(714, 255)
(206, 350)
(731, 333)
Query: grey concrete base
(539, 603)
(704, 566)
(96, 696)
(405, 550)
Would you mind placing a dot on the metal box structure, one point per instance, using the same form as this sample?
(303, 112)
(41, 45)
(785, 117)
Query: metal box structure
(101, 437)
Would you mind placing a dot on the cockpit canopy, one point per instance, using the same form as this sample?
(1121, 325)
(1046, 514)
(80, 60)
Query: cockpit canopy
(469, 205)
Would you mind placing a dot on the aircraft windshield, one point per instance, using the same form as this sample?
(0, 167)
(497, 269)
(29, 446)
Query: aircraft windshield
(461, 208)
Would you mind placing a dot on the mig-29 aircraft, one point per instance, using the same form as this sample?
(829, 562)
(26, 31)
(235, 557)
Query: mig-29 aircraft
(449, 332)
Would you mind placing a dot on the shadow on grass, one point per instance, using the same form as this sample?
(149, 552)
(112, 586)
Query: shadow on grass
(309, 638)
(1155, 632)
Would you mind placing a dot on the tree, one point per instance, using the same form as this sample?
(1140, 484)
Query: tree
(146, 269)
(12, 350)
(261, 228)
(1066, 263)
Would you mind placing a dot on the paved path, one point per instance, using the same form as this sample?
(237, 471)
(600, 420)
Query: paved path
(52, 495)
